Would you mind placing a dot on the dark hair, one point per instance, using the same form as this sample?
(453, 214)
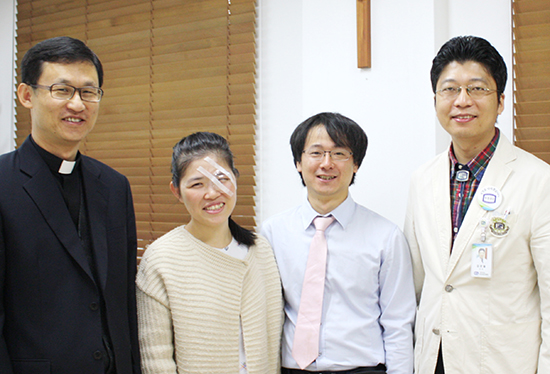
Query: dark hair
(196, 146)
(62, 49)
(343, 131)
(470, 48)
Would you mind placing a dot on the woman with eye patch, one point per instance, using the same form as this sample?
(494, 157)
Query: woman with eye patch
(208, 292)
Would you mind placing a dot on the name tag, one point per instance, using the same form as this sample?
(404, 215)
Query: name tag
(482, 260)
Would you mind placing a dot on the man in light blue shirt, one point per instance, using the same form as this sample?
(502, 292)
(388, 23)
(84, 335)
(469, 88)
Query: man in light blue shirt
(368, 304)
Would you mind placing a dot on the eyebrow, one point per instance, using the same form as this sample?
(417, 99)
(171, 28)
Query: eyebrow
(86, 84)
(449, 80)
(195, 179)
(334, 147)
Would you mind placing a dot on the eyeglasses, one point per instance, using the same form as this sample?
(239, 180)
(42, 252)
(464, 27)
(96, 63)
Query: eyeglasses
(61, 91)
(475, 92)
(336, 154)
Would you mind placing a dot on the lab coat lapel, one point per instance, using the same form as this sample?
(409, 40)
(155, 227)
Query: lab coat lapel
(496, 175)
(442, 209)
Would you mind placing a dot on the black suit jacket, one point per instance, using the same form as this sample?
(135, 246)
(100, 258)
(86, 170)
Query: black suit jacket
(49, 302)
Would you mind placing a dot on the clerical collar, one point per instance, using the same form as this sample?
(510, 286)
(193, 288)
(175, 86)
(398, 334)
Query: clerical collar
(66, 167)
(55, 164)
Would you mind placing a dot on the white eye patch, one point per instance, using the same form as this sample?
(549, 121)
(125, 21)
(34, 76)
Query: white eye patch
(219, 171)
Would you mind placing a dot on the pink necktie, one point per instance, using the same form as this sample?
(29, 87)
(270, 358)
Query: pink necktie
(306, 336)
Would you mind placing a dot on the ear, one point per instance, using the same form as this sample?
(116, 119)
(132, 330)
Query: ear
(176, 191)
(355, 168)
(299, 166)
(25, 94)
(500, 108)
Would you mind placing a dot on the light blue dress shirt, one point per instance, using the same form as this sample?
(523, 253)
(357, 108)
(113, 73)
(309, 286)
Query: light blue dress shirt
(369, 302)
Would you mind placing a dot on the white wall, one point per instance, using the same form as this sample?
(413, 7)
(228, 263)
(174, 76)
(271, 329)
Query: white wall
(7, 26)
(307, 63)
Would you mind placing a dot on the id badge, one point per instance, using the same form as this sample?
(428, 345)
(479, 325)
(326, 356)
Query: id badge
(482, 260)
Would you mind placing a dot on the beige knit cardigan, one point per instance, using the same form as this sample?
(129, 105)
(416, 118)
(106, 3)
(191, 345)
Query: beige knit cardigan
(190, 297)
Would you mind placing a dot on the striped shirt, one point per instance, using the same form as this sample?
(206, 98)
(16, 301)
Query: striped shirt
(465, 179)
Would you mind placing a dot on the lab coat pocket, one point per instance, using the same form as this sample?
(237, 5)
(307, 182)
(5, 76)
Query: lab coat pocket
(510, 348)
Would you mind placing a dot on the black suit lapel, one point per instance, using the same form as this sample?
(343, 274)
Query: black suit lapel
(97, 197)
(44, 191)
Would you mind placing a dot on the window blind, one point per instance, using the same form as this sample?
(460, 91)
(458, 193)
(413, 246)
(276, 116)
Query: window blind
(531, 32)
(172, 68)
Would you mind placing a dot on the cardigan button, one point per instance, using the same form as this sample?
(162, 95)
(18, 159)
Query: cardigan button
(98, 355)
(449, 288)
(94, 306)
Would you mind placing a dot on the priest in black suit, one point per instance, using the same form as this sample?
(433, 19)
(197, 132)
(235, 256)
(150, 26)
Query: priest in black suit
(67, 230)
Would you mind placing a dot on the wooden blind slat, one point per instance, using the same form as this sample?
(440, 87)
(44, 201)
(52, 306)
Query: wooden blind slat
(71, 19)
(117, 12)
(532, 31)
(533, 18)
(27, 40)
(526, 6)
(534, 145)
(542, 94)
(105, 7)
(527, 133)
(137, 28)
(532, 82)
(532, 120)
(42, 10)
(532, 57)
(533, 107)
(536, 43)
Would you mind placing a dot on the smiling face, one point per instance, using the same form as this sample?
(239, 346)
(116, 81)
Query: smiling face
(471, 123)
(208, 203)
(59, 126)
(327, 181)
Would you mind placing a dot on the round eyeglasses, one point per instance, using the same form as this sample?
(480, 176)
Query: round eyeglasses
(336, 154)
(475, 92)
(62, 91)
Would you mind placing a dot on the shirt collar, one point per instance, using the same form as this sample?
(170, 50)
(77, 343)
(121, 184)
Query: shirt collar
(478, 164)
(342, 213)
(53, 162)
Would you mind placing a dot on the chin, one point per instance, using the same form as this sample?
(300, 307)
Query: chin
(217, 220)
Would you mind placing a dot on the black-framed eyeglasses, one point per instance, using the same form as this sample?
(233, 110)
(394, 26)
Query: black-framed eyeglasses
(475, 92)
(61, 91)
(336, 154)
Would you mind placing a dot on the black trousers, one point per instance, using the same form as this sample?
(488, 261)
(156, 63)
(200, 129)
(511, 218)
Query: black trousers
(380, 369)
(439, 369)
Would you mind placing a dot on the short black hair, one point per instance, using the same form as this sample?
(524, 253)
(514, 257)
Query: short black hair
(470, 48)
(343, 131)
(62, 49)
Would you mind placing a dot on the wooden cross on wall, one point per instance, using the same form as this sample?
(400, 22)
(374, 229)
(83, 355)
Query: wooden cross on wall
(363, 34)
